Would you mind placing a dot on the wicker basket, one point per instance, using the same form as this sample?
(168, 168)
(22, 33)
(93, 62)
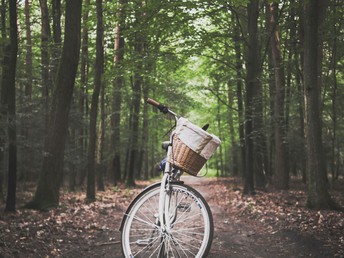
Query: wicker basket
(191, 147)
(185, 158)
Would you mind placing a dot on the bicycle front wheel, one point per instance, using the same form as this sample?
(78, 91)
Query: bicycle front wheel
(191, 224)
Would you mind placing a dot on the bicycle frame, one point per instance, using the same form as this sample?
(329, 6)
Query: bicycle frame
(164, 188)
(163, 206)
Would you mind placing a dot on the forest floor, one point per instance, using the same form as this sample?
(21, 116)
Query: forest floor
(269, 224)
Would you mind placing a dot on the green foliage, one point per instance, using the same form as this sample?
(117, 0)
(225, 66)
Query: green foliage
(188, 63)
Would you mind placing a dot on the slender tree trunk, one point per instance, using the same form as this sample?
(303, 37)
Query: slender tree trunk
(334, 153)
(150, 67)
(281, 172)
(45, 60)
(47, 193)
(241, 126)
(260, 151)
(299, 63)
(28, 57)
(28, 155)
(136, 99)
(218, 118)
(290, 69)
(56, 51)
(318, 195)
(118, 84)
(94, 105)
(8, 98)
(3, 106)
(83, 100)
(101, 138)
(145, 132)
(301, 112)
(234, 146)
(251, 93)
(134, 136)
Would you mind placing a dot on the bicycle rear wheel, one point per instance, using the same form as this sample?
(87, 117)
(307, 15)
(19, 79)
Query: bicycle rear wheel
(191, 231)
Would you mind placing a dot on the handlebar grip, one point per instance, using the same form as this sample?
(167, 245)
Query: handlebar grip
(156, 104)
(153, 102)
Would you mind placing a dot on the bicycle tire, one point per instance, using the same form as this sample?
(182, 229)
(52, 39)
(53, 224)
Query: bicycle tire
(192, 227)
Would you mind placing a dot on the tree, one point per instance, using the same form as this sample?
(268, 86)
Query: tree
(26, 130)
(281, 169)
(83, 100)
(56, 15)
(45, 57)
(239, 95)
(118, 84)
(3, 108)
(47, 192)
(8, 104)
(94, 104)
(133, 151)
(251, 93)
(318, 195)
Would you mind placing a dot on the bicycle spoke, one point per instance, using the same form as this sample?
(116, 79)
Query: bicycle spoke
(182, 244)
(179, 221)
(151, 224)
(147, 246)
(186, 236)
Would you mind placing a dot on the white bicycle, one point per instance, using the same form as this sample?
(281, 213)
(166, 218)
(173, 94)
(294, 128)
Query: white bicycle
(169, 218)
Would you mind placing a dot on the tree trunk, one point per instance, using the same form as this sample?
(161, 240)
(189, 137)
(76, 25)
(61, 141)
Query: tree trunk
(260, 152)
(136, 100)
(134, 135)
(3, 107)
(251, 93)
(145, 131)
(83, 100)
(335, 152)
(47, 192)
(289, 83)
(28, 155)
(318, 195)
(218, 118)
(234, 146)
(101, 138)
(118, 84)
(56, 51)
(8, 100)
(281, 172)
(28, 57)
(94, 105)
(241, 129)
(45, 60)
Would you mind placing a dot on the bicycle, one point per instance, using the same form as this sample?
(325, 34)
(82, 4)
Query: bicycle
(169, 218)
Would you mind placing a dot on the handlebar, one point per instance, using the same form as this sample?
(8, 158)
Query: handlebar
(156, 104)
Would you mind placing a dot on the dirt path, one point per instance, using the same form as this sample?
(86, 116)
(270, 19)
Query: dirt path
(240, 237)
(269, 225)
(237, 236)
